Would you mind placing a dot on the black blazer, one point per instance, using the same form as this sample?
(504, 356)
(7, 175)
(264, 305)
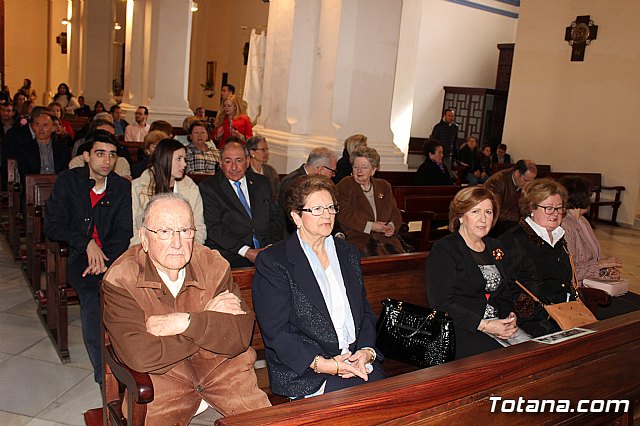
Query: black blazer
(287, 181)
(29, 157)
(229, 227)
(544, 270)
(70, 218)
(294, 319)
(430, 174)
(456, 285)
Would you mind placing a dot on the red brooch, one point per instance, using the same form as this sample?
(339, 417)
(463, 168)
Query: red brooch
(498, 254)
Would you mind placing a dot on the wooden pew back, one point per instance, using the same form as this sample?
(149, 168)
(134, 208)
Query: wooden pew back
(133, 148)
(75, 121)
(595, 179)
(37, 191)
(598, 366)
(13, 186)
(399, 276)
(409, 197)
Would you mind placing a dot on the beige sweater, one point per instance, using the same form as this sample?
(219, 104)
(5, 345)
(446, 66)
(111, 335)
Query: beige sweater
(186, 187)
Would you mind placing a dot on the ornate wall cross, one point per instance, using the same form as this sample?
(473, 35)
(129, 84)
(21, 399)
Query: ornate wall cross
(579, 35)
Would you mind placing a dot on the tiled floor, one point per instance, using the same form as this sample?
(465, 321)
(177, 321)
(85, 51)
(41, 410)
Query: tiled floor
(36, 389)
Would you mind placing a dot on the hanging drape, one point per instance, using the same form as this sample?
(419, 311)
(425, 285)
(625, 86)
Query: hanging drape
(255, 73)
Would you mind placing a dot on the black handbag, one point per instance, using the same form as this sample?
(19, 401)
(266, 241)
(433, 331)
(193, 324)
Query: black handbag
(414, 334)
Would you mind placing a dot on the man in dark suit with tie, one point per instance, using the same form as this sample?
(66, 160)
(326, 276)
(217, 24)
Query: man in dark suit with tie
(240, 215)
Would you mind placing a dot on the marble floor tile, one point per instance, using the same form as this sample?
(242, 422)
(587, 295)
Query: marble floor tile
(19, 333)
(3, 358)
(35, 384)
(27, 308)
(68, 409)
(14, 292)
(45, 351)
(11, 419)
(41, 422)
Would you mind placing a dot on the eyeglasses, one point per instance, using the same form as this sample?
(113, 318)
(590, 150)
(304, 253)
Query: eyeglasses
(550, 209)
(319, 210)
(262, 149)
(167, 234)
(333, 171)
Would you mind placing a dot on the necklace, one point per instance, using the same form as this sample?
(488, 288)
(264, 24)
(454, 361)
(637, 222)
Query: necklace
(367, 190)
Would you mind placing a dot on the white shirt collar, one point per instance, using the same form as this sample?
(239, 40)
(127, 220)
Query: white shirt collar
(544, 234)
(100, 191)
(173, 286)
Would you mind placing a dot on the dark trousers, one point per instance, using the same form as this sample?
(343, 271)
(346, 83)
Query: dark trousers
(88, 290)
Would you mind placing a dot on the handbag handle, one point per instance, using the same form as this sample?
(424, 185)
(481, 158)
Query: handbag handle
(574, 279)
(419, 328)
(535, 299)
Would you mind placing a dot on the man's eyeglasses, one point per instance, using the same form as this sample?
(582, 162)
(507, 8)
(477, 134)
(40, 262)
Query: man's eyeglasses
(550, 209)
(167, 234)
(333, 171)
(319, 210)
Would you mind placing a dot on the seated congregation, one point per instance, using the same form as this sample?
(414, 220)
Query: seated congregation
(164, 240)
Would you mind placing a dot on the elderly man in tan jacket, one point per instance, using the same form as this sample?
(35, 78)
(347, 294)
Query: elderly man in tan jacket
(171, 309)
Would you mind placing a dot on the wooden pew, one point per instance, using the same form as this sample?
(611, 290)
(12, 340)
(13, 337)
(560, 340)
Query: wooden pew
(397, 178)
(436, 199)
(15, 216)
(600, 366)
(75, 121)
(199, 177)
(54, 300)
(37, 191)
(134, 148)
(596, 202)
(401, 276)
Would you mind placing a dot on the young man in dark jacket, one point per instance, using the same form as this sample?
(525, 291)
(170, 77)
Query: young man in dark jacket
(90, 210)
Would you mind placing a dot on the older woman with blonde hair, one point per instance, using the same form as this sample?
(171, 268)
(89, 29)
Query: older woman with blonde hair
(232, 121)
(369, 215)
(466, 276)
(536, 255)
(343, 168)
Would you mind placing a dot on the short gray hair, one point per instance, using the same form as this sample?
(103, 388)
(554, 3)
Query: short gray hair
(162, 197)
(230, 144)
(321, 157)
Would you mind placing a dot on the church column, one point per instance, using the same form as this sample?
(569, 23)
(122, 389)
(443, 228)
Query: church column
(74, 37)
(97, 52)
(329, 74)
(157, 58)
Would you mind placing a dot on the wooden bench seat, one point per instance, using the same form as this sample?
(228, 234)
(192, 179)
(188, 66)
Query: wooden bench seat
(401, 276)
(600, 366)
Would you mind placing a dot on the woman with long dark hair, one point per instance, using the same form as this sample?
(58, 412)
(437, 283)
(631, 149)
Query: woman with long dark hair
(166, 173)
(65, 98)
